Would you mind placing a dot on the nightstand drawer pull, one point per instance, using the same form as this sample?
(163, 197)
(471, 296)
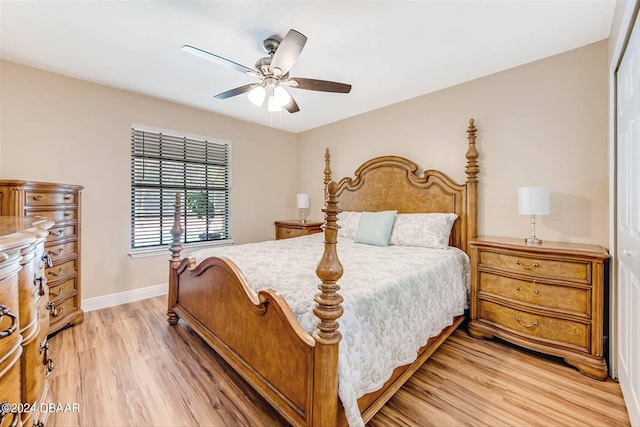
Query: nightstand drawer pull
(528, 267)
(535, 323)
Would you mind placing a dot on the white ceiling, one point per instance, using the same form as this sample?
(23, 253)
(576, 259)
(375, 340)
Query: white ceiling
(389, 51)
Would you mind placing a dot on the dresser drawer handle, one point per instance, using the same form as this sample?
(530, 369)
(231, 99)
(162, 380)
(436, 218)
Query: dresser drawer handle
(67, 197)
(58, 233)
(535, 323)
(4, 311)
(55, 273)
(53, 310)
(55, 294)
(37, 198)
(56, 253)
(535, 291)
(15, 417)
(517, 288)
(528, 267)
(46, 258)
(67, 214)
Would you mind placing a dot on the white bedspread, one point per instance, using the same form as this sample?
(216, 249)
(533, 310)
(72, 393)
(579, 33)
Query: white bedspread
(395, 299)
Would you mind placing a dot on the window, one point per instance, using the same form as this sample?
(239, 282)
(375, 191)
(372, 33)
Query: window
(163, 164)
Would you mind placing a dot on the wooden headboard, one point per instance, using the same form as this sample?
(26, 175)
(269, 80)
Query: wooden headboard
(391, 183)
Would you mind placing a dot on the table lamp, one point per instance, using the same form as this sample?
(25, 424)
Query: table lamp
(302, 200)
(533, 200)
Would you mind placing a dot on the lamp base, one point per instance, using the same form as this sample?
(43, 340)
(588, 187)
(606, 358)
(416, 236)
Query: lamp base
(533, 241)
(303, 216)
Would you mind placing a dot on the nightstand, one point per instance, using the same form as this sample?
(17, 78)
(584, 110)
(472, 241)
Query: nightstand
(548, 298)
(296, 228)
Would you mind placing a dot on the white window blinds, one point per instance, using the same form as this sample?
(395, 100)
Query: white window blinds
(163, 165)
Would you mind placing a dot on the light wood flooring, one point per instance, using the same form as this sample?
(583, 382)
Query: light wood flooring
(126, 366)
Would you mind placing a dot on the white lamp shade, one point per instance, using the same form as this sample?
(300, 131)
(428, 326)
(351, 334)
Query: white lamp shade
(273, 105)
(533, 200)
(256, 95)
(281, 96)
(302, 200)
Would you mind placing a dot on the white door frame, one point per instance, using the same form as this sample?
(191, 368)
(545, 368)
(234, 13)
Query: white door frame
(626, 25)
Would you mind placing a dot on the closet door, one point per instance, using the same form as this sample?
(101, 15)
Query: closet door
(628, 224)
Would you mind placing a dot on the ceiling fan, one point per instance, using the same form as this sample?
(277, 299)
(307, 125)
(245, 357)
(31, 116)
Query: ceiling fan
(273, 73)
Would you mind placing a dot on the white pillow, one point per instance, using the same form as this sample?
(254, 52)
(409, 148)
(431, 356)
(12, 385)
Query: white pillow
(348, 222)
(427, 230)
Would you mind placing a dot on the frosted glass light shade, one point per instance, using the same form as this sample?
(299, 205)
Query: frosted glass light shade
(302, 200)
(282, 96)
(273, 105)
(533, 200)
(256, 95)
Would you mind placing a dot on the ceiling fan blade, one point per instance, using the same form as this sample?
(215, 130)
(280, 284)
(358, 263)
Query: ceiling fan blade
(288, 52)
(291, 106)
(319, 85)
(219, 60)
(237, 91)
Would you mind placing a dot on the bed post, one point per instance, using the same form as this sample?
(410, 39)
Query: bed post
(327, 172)
(176, 248)
(472, 170)
(328, 310)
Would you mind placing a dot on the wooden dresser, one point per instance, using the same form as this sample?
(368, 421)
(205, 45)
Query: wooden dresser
(24, 322)
(548, 298)
(296, 228)
(60, 203)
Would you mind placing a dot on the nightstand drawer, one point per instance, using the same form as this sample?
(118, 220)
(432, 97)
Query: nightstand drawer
(539, 266)
(285, 233)
(561, 331)
(576, 301)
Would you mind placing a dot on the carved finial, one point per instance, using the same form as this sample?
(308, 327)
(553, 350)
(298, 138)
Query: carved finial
(327, 172)
(176, 231)
(472, 168)
(328, 308)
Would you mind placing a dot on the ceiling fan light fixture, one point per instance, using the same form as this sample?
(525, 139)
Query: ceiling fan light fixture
(273, 105)
(281, 96)
(256, 95)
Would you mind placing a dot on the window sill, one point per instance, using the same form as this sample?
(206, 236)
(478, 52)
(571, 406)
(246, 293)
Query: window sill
(188, 248)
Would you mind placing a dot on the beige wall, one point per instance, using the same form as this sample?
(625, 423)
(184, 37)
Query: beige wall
(60, 129)
(545, 122)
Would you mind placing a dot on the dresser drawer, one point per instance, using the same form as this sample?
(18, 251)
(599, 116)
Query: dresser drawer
(59, 215)
(59, 290)
(568, 299)
(60, 233)
(59, 271)
(539, 266)
(561, 331)
(43, 198)
(59, 309)
(285, 233)
(62, 251)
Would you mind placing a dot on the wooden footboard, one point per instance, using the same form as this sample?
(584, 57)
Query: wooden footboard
(254, 333)
(258, 334)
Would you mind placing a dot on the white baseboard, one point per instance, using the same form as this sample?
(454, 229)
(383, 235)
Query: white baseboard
(91, 304)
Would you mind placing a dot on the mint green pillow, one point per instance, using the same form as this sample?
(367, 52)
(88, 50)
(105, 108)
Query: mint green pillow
(375, 228)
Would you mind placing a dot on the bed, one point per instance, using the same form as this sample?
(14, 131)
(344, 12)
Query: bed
(290, 360)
